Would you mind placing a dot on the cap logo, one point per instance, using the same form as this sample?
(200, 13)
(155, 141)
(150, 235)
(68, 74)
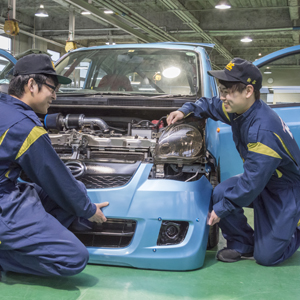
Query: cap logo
(249, 80)
(229, 66)
(53, 65)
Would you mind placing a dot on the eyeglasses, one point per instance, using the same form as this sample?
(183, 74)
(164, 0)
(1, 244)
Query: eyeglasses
(223, 91)
(54, 88)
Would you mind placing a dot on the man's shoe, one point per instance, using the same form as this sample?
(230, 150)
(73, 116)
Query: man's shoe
(81, 225)
(231, 255)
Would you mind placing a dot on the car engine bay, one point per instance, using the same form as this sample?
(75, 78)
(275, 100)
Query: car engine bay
(101, 155)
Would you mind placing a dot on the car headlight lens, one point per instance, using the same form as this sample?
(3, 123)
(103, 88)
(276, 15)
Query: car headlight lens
(179, 141)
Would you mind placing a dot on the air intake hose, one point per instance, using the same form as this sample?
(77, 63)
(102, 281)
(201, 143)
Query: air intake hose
(76, 121)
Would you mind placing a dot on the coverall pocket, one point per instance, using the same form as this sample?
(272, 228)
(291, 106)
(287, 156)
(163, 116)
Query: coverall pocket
(285, 214)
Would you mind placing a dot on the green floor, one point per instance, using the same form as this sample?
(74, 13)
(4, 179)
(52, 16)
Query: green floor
(216, 280)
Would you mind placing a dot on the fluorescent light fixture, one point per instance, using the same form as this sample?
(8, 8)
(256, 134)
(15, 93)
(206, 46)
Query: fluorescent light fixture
(41, 12)
(78, 68)
(223, 5)
(267, 72)
(246, 40)
(108, 12)
(171, 72)
(135, 82)
(85, 12)
(147, 89)
(107, 43)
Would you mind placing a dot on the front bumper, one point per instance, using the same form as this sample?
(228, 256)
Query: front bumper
(149, 202)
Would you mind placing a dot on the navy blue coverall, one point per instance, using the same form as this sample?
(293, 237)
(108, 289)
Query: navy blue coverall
(34, 218)
(270, 182)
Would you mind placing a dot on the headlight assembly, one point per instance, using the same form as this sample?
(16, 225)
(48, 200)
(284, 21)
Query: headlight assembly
(179, 142)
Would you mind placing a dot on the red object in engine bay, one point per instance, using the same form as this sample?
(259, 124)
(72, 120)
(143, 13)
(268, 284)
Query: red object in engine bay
(161, 123)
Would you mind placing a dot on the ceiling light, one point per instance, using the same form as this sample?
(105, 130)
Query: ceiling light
(41, 12)
(267, 72)
(171, 72)
(108, 12)
(147, 89)
(85, 12)
(223, 5)
(259, 54)
(246, 40)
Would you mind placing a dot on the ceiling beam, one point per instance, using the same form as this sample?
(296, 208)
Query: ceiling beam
(192, 22)
(107, 18)
(136, 19)
(294, 9)
(37, 37)
(294, 15)
(103, 38)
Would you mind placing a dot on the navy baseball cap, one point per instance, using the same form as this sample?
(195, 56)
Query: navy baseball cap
(240, 70)
(38, 64)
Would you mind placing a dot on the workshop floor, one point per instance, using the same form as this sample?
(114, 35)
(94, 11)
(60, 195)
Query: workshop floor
(215, 281)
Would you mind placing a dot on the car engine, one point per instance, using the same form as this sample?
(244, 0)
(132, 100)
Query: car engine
(102, 156)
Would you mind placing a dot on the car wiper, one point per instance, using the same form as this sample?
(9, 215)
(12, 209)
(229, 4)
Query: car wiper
(172, 96)
(93, 94)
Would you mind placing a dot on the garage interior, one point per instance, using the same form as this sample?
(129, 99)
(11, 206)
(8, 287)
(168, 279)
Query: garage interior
(271, 25)
(248, 29)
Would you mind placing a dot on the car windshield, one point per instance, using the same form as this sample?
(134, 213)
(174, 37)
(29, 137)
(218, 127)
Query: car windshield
(131, 71)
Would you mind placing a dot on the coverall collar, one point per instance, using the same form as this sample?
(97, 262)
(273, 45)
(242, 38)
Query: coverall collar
(247, 113)
(10, 100)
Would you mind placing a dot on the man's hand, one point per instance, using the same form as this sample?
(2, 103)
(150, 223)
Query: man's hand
(213, 218)
(99, 217)
(175, 116)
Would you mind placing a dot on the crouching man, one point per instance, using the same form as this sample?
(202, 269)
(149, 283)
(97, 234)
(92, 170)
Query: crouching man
(270, 183)
(34, 217)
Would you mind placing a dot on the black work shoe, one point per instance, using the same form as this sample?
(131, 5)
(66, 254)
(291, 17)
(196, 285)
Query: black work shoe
(231, 255)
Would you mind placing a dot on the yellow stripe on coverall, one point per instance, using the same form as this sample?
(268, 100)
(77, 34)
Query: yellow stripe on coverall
(285, 147)
(34, 134)
(225, 112)
(262, 149)
(3, 136)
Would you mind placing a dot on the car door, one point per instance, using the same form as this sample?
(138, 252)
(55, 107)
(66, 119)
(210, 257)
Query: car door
(281, 76)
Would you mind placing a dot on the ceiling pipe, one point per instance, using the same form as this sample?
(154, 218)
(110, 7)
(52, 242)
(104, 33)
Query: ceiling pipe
(109, 19)
(192, 22)
(235, 32)
(79, 29)
(71, 35)
(136, 19)
(38, 37)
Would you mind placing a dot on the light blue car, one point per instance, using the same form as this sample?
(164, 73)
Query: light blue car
(109, 128)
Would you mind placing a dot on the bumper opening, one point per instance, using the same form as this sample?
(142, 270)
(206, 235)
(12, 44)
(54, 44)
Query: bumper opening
(114, 233)
(172, 232)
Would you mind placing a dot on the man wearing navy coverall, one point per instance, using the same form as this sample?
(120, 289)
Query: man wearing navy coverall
(270, 183)
(34, 217)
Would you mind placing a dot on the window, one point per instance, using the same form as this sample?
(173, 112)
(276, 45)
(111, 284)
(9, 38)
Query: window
(281, 80)
(137, 71)
(5, 43)
(54, 55)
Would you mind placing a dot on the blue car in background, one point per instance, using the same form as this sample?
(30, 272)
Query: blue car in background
(109, 127)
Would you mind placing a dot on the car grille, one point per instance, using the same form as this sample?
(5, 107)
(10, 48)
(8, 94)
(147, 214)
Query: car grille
(114, 233)
(104, 181)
